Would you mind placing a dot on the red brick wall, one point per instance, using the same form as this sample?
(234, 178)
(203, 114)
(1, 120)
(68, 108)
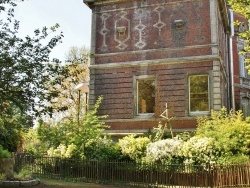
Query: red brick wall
(149, 125)
(151, 36)
(116, 87)
(157, 17)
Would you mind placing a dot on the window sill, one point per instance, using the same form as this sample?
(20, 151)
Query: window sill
(144, 116)
(199, 113)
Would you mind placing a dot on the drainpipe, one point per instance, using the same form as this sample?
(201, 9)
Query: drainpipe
(231, 20)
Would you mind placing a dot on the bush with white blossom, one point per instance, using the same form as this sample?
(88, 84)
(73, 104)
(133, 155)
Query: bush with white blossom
(199, 151)
(165, 151)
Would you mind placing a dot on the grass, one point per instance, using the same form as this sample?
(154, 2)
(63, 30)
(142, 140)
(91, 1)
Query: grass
(52, 182)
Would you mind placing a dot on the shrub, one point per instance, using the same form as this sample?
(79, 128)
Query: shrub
(134, 147)
(62, 151)
(69, 134)
(3, 176)
(230, 132)
(164, 151)
(24, 174)
(235, 159)
(199, 151)
(102, 149)
(4, 153)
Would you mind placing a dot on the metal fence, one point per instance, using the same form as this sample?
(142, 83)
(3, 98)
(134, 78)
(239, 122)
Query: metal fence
(129, 174)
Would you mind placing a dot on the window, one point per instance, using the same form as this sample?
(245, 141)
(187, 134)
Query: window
(243, 70)
(198, 94)
(145, 95)
(246, 106)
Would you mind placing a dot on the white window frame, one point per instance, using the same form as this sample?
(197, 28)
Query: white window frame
(197, 113)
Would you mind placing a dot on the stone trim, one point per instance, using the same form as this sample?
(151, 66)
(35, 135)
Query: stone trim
(156, 62)
(157, 50)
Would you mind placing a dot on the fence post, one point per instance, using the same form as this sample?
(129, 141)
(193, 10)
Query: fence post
(211, 176)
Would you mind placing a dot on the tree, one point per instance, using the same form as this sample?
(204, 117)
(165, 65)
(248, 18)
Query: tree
(24, 69)
(78, 55)
(65, 99)
(24, 62)
(76, 137)
(243, 7)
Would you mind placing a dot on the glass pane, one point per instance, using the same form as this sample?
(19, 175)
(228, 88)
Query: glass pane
(199, 93)
(146, 96)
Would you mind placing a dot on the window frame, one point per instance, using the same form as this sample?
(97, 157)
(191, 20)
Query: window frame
(136, 97)
(197, 113)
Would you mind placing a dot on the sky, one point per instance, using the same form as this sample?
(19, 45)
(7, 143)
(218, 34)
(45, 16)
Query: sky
(73, 16)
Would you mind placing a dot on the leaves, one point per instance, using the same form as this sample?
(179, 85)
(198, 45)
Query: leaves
(22, 63)
(243, 7)
(230, 131)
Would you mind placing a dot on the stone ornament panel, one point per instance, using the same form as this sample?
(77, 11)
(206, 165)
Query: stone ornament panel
(104, 31)
(159, 25)
(146, 25)
(140, 27)
(121, 37)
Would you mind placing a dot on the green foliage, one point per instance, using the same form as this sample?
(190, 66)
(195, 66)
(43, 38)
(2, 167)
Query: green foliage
(242, 7)
(23, 70)
(230, 131)
(199, 151)
(83, 139)
(12, 124)
(234, 159)
(220, 139)
(159, 132)
(102, 149)
(2, 176)
(4, 153)
(24, 174)
(62, 151)
(33, 144)
(134, 147)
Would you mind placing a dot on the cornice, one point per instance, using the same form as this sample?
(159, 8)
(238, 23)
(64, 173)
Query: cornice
(156, 62)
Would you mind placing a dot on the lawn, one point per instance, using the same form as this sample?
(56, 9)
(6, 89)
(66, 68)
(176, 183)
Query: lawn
(49, 183)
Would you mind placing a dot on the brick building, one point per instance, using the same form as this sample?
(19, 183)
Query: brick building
(149, 53)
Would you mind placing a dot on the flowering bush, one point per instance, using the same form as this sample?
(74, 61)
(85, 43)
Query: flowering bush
(62, 151)
(231, 134)
(133, 147)
(199, 151)
(165, 151)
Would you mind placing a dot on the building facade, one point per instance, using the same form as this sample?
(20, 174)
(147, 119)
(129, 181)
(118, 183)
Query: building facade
(149, 54)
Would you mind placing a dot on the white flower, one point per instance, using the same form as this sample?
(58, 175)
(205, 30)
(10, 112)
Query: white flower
(163, 149)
